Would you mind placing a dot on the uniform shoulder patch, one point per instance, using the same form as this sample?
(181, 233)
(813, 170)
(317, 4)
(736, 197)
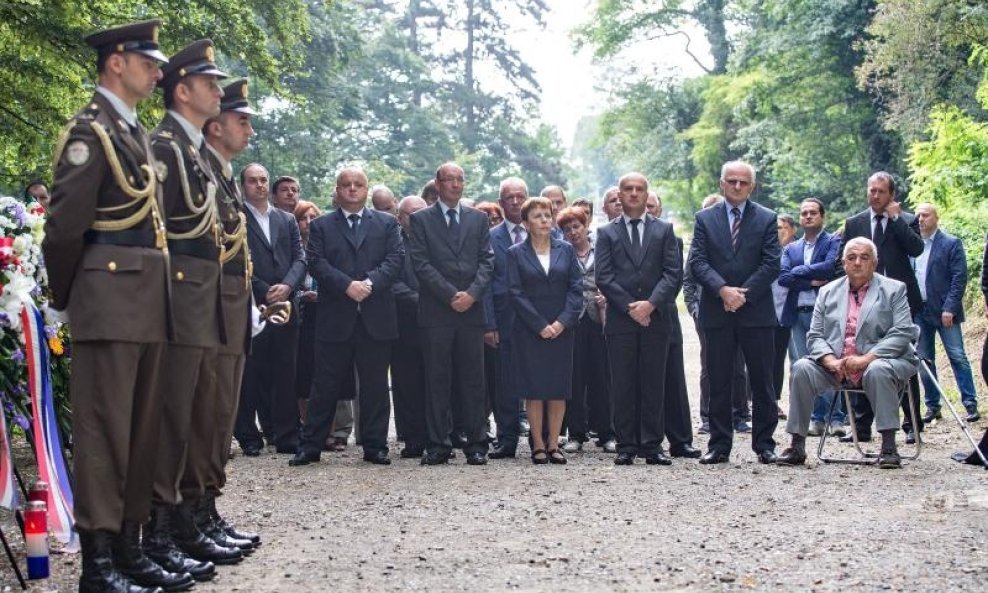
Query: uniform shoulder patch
(161, 170)
(77, 153)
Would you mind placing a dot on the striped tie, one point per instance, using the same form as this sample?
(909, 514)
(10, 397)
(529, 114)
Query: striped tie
(735, 227)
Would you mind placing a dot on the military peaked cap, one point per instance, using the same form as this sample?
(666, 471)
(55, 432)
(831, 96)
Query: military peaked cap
(235, 98)
(197, 58)
(139, 37)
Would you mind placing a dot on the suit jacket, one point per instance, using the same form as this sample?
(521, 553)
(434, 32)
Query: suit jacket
(900, 241)
(538, 297)
(946, 279)
(797, 276)
(112, 292)
(278, 261)
(885, 326)
(656, 275)
(337, 256)
(754, 265)
(187, 190)
(497, 302)
(445, 266)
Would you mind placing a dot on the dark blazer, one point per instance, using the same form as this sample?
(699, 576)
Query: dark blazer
(946, 279)
(406, 286)
(336, 258)
(656, 276)
(540, 298)
(278, 261)
(797, 276)
(497, 302)
(755, 265)
(900, 241)
(445, 266)
(112, 292)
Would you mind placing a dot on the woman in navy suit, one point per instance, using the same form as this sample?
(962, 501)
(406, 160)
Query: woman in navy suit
(546, 287)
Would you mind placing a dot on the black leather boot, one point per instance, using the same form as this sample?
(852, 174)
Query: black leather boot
(98, 574)
(230, 530)
(209, 528)
(159, 547)
(130, 560)
(193, 543)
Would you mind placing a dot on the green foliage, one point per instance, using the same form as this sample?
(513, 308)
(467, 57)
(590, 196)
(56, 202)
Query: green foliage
(49, 72)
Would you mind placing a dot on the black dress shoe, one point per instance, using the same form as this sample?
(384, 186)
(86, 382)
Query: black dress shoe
(476, 459)
(932, 415)
(624, 459)
(434, 458)
(713, 456)
(889, 460)
(767, 456)
(501, 452)
(251, 450)
(378, 458)
(688, 451)
(411, 452)
(972, 415)
(657, 459)
(791, 456)
(911, 437)
(303, 458)
(287, 450)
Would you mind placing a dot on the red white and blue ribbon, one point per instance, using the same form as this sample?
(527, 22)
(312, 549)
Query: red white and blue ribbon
(8, 489)
(48, 446)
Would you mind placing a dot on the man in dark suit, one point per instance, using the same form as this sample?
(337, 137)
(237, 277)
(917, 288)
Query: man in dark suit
(501, 316)
(279, 269)
(808, 264)
(735, 259)
(450, 250)
(639, 271)
(896, 233)
(104, 248)
(942, 275)
(354, 255)
(407, 361)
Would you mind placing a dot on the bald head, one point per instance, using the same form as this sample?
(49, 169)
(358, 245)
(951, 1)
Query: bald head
(409, 205)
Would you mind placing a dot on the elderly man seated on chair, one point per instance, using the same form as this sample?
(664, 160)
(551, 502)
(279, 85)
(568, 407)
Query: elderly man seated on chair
(859, 338)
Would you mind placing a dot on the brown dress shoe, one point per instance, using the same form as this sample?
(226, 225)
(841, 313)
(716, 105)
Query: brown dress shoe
(791, 456)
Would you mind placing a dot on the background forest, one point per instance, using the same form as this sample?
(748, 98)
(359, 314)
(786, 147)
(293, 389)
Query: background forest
(816, 93)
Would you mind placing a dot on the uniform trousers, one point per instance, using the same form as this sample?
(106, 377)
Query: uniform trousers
(116, 422)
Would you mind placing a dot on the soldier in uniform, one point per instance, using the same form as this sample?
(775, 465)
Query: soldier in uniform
(108, 270)
(192, 95)
(227, 136)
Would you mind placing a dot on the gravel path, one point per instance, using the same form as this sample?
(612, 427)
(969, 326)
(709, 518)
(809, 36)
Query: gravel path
(344, 525)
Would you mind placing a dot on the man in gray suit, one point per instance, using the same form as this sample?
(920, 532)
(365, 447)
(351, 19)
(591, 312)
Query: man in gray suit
(860, 336)
(450, 248)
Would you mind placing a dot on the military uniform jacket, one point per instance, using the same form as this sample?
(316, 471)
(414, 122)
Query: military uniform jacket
(112, 292)
(234, 284)
(190, 214)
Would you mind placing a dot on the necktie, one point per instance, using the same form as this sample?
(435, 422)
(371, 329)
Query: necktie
(877, 237)
(636, 238)
(735, 227)
(518, 231)
(454, 225)
(354, 223)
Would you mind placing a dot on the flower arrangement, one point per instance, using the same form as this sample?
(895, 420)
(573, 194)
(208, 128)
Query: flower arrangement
(23, 279)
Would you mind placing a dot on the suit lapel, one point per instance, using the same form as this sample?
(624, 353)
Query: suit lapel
(528, 252)
(366, 219)
(555, 252)
(343, 227)
(721, 231)
(623, 236)
(842, 295)
(870, 304)
(255, 227)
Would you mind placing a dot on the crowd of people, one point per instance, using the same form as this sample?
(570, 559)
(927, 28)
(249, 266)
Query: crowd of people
(252, 315)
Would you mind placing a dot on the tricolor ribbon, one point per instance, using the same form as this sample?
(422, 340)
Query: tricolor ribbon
(47, 444)
(8, 489)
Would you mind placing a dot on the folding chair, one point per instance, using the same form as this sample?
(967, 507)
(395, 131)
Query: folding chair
(866, 457)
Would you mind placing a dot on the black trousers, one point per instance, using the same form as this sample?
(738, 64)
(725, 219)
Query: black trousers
(638, 368)
(679, 429)
(335, 362)
(756, 344)
(591, 392)
(454, 356)
(408, 383)
(782, 335)
(268, 388)
(740, 392)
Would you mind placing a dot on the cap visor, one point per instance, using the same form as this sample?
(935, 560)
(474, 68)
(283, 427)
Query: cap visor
(246, 110)
(153, 54)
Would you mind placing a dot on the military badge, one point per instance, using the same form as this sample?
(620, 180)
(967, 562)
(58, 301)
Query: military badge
(77, 153)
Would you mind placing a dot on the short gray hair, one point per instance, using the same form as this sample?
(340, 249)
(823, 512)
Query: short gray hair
(738, 163)
(861, 241)
(511, 181)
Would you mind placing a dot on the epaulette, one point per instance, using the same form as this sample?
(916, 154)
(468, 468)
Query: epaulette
(89, 113)
(164, 134)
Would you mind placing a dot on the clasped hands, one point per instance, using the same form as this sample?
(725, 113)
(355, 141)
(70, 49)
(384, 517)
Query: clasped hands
(843, 368)
(358, 290)
(641, 312)
(733, 297)
(552, 331)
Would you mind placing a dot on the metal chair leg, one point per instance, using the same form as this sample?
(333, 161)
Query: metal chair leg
(960, 422)
(865, 457)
